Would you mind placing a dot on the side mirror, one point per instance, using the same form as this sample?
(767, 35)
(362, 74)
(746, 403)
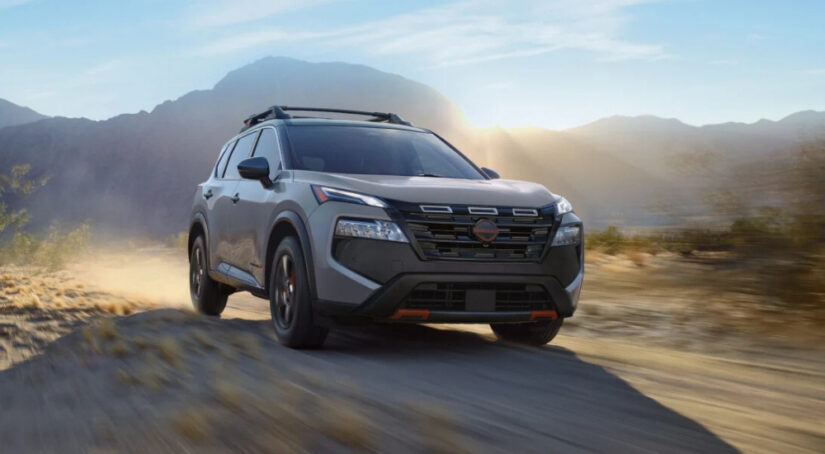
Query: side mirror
(256, 168)
(490, 173)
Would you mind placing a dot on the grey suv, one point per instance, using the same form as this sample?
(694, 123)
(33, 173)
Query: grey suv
(338, 221)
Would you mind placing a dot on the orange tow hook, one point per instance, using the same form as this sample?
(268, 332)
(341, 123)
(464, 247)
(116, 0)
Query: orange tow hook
(422, 314)
(552, 315)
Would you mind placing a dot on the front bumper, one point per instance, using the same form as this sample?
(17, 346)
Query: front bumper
(370, 279)
(388, 301)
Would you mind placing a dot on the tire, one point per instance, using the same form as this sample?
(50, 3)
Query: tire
(208, 296)
(533, 333)
(290, 302)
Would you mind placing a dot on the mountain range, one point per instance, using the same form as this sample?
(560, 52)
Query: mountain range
(137, 172)
(11, 114)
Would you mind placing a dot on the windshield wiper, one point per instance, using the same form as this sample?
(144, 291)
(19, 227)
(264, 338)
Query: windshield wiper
(434, 175)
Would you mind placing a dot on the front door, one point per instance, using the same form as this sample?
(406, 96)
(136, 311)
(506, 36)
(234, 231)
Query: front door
(257, 207)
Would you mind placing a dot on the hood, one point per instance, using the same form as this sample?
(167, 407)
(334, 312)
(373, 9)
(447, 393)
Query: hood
(427, 190)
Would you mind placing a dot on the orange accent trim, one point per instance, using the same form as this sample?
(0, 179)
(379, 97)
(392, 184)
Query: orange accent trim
(552, 315)
(423, 314)
(320, 193)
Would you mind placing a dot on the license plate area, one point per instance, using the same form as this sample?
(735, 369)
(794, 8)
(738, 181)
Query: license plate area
(480, 300)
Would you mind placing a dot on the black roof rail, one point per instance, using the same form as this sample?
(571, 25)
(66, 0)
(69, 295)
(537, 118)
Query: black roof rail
(272, 113)
(279, 113)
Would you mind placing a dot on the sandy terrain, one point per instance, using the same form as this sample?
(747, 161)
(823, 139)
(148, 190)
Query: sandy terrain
(106, 356)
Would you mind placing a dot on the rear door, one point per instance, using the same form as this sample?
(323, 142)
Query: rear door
(257, 206)
(223, 227)
(217, 202)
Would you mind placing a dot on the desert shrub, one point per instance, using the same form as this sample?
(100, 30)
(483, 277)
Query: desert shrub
(610, 240)
(16, 183)
(52, 250)
(685, 241)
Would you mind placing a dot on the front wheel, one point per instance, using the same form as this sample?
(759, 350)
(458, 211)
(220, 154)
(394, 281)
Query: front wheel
(289, 298)
(208, 296)
(533, 333)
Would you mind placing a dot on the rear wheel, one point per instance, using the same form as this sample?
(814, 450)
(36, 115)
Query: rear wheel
(533, 333)
(208, 296)
(289, 298)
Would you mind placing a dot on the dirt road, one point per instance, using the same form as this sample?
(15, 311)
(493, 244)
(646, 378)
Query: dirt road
(165, 380)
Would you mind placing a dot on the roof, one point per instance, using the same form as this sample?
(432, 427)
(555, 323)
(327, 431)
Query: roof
(280, 113)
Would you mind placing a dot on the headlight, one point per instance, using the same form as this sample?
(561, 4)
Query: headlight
(568, 235)
(373, 230)
(325, 194)
(563, 206)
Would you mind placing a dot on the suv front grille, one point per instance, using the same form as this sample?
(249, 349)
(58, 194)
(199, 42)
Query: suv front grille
(453, 297)
(446, 236)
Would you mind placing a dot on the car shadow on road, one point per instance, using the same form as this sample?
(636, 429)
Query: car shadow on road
(542, 399)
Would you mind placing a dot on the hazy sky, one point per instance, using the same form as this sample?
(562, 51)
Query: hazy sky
(548, 63)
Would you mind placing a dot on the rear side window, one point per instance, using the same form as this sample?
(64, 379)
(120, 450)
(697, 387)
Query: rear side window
(268, 148)
(222, 160)
(242, 151)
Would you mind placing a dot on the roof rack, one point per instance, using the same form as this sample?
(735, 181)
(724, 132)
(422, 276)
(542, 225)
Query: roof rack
(279, 113)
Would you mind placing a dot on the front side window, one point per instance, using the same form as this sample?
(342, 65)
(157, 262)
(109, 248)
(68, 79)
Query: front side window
(268, 148)
(242, 151)
(375, 151)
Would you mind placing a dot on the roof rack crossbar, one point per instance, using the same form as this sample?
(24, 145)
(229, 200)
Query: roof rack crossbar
(389, 117)
(279, 113)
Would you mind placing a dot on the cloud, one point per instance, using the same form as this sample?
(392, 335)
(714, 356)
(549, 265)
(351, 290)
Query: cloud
(220, 13)
(469, 32)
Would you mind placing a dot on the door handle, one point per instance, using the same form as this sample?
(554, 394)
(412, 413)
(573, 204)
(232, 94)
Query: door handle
(208, 194)
(236, 197)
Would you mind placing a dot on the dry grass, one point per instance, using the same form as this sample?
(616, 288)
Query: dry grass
(34, 288)
(106, 328)
(247, 343)
(265, 407)
(170, 351)
(124, 377)
(152, 376)
(192, 422)
(203, 339)
(119, 348)
(439, 430)
(344, 423)
(638, 258)
(141, 343)
(229, 393)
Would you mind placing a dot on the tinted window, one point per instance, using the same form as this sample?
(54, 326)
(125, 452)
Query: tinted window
(224, 156)
(242, 151)
(376, 151)
(268, 148)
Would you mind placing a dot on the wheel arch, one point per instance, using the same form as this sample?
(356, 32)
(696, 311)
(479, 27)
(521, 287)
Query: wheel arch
(289, 223)
(197, 227)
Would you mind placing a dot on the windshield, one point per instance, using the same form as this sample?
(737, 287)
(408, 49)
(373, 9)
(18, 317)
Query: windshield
(375, 151)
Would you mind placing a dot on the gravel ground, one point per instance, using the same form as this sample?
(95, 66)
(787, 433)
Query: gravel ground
(100, 364)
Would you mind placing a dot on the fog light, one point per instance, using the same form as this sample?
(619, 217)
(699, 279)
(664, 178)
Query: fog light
(373, 230)
(568, 235)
